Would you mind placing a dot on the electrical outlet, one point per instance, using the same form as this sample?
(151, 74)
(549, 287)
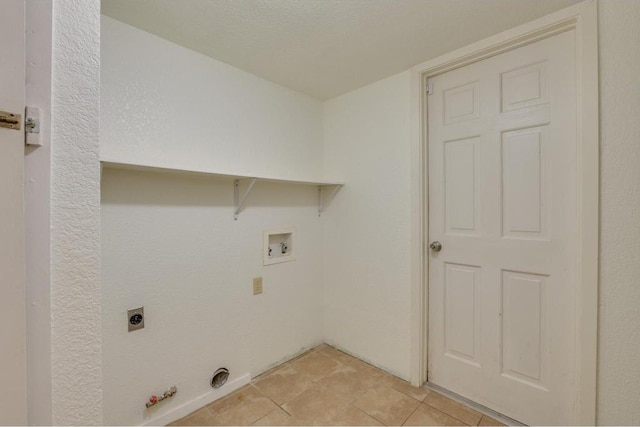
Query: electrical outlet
(257, 285)
(135, 319)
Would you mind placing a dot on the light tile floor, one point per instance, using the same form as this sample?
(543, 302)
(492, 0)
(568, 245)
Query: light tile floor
(327, 387)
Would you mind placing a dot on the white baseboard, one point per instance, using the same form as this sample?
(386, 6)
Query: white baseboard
(197, 403)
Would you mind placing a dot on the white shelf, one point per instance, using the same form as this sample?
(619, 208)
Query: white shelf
(323, 199)
(220, 174)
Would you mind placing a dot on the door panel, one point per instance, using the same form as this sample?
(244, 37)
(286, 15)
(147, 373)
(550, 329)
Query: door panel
(524, 87)
(502, 201)
(12, 266)
(462, 320)
(524, 183)
(461, 210)
(461, 103)
(525, 352)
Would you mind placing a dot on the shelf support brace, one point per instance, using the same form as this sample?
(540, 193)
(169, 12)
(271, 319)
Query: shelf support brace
(324, 202)
(237, 201)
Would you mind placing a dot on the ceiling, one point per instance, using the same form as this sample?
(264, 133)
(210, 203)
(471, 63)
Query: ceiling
(325, 48)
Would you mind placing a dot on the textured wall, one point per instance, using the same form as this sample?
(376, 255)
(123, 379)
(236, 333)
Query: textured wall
(619, 331)
(169, 241)
(165, 105)
(76, 361)
(367, 227)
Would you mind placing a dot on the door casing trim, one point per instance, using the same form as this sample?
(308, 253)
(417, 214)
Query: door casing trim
(583, 19)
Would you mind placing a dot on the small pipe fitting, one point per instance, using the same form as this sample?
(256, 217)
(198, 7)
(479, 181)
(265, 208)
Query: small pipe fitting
(170, 392)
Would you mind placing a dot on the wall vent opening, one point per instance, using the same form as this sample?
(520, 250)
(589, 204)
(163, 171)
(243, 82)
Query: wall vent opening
(219, 377)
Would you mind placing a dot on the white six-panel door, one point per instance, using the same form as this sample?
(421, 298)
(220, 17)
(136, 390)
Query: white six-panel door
(13, 409)
(502, 202)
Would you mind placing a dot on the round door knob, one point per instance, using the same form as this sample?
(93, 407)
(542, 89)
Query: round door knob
(436, 246)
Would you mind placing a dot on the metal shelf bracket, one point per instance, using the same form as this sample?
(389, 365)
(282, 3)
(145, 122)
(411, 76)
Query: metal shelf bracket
(325, 201)
(237, 200)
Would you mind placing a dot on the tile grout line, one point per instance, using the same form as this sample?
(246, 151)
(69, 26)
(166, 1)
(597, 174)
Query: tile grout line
(286, 362)
(352, 402)
(452, 416)
(273, 401)
(371, 415)
(317, 349)
(344, 360)
(281, 406)
(482, 410)
(285, 411)
(264, 416)
(290, 362)
(412, 412)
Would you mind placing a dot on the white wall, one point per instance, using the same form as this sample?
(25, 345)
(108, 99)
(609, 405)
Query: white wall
(170, 244)
(381, 322)
(165, 105)
(367, 227)
(169, 241)
(76, 359)
(367, 277)
(619, 332)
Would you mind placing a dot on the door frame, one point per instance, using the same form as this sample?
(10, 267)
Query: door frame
(13, 335)
(581, 18)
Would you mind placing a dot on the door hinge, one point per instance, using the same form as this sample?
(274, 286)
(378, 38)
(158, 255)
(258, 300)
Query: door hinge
(429, 88)
(10, 120)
